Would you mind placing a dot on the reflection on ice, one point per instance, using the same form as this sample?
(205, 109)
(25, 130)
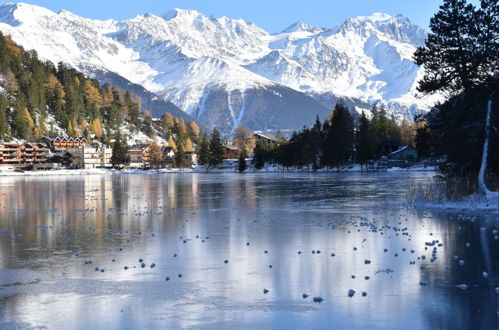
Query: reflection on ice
(261, 251)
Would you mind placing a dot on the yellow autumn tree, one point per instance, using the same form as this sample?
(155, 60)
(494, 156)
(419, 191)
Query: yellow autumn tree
(171, 143)
(195, 128)
(96, 127)
(168, 120)
(407, 133)
(55, 88)
(29, 124)
(71, 131)
(92, 95)
(155, 155)
(37, 133)
(12, 47)
(83, 125)
(182, 127)
(188, 145)
(107, 97)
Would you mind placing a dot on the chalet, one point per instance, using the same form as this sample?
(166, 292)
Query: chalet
(406, 153)
(138, 155)
(168, 157)
(91, 157)
(22, 155)
(265, 138)
(230, 152)
(61, 143)
(168, 152)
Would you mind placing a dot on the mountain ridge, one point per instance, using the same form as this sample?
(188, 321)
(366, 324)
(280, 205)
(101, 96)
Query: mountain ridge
(186, 57)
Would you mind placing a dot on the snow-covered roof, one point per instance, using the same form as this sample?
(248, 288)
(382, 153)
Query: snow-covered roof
(267, 136)
(138, 147)
(231, 148)
(400, 150)
(65, 138)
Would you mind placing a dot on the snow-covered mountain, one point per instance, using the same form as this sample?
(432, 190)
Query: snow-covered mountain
(225, 72)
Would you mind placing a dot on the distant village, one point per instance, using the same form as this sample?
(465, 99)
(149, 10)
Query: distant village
(78, 153)
(63, 152)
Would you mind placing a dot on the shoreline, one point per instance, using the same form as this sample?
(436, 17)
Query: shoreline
(197, 170)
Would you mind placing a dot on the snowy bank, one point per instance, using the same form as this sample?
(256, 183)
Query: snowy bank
(203, 169)
(64, 172)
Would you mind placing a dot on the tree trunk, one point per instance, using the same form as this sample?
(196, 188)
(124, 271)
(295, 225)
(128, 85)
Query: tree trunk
(485, 154)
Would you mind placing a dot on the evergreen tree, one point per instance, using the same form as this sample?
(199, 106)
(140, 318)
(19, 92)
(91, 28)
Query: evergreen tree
(65, 94)
(242, 161)
(449, 56)
(339, 141)
(115, 113)
(460, 57)
(204, 151)
(133, 108)
(259, 155)
(4, 121)
(120, 154)
(364, 153)
(180, 156)
(487, 45)
(147, 127)
(216, 151)
(423, 139)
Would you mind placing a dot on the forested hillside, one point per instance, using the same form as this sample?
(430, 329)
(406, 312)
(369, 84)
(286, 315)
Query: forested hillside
(39, 98)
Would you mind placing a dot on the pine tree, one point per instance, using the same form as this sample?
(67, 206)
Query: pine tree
(259, 157)
(487, 28)
(448, 55)
(180, 156)
(147, 126)
(423, 138)
(120, 154)
(460, 57)
(364, 152)
(339, 141)
(4, 122)
(242, 161)
(216, 151)
(133, 109)
(115, 112)
(204, 151)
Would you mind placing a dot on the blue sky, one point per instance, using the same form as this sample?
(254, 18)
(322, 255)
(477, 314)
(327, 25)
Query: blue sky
(272, 15)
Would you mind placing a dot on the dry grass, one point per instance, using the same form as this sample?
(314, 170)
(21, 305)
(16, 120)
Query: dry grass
(443, 189)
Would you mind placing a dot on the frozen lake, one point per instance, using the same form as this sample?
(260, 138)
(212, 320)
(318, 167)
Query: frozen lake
(211, 244)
